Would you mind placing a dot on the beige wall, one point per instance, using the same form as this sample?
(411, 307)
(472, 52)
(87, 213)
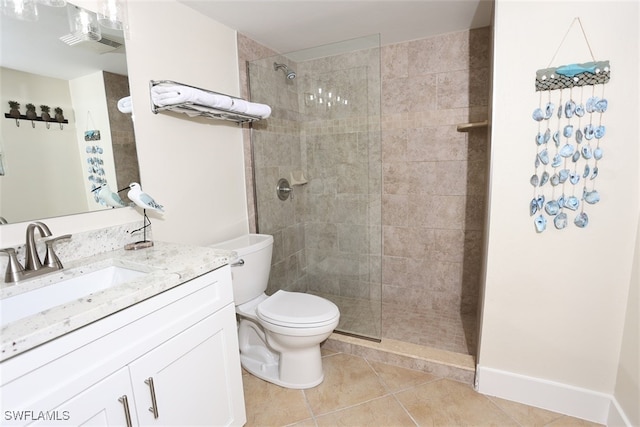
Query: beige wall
(555, 302)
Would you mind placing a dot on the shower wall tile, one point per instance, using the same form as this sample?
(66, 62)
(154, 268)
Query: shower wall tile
(395, 61)
(434, 181)
(459, 89)
(249, 50)
(394, 270)
(409, 242)
(394, 145)
(437, 211)
(409, 94)
(412, 195)
(436, 143)
(395, 209)
(451, 178)
(479, 47)
(449, 245)
(439, 54)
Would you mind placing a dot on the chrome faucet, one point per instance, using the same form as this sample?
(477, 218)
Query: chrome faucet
(31, 259)
(33, 266)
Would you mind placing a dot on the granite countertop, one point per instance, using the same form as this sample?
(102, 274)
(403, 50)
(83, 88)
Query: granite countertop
(167, 264)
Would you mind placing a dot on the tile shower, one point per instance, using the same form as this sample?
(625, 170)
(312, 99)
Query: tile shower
(420, 216)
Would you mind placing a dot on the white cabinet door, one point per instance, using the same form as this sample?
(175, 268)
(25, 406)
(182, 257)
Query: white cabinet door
(103, 404)
(196, 377)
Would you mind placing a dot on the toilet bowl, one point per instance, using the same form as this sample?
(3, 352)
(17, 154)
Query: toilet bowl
(279, 335)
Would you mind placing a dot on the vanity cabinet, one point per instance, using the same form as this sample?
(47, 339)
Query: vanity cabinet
(169, 360)
(102, 404)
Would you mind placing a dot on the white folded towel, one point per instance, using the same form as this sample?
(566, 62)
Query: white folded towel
(125, 105)
(174, 94)
(251, 108)
(239, 106)
(260, 110)
(168, 94)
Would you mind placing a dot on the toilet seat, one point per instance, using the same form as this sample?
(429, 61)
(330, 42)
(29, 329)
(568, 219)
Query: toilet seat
(297, 310)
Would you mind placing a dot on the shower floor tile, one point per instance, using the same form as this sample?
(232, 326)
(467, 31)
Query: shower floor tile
(441, 330)
(437, 329)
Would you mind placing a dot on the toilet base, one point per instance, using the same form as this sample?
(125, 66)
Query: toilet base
(296, 369)
(270, 373)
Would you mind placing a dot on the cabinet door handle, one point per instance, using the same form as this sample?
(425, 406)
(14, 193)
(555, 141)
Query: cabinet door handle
(127, 414)
(154, 403)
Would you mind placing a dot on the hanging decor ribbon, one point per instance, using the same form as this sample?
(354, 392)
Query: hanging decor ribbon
(568, 141)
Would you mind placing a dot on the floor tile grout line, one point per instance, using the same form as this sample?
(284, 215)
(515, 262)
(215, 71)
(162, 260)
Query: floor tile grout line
(495, 403)
(355, 405)
(405, 409)
(501, 410)
(388, 393)
(309, 408)
(435, 377)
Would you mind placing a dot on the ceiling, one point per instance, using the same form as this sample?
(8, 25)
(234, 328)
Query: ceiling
(289, 26)
(35, 47)
(284, 26)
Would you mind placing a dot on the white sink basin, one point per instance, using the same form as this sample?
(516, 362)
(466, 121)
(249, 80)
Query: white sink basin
(35, 301)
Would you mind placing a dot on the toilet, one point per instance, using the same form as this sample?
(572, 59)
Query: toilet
(279, 335)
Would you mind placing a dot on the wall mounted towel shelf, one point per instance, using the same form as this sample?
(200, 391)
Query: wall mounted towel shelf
(197, 110)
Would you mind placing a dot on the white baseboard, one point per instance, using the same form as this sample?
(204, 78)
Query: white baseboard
(557, 397)
(617, 417)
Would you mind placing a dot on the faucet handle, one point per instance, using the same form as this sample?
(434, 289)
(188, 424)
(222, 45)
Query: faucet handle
(14, 268)
(51, 259)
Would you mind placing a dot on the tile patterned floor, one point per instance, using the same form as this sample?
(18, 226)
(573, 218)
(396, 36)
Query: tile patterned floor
(359, 392)
(446, 331)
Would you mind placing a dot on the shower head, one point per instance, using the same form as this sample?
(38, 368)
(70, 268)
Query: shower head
(289, 73)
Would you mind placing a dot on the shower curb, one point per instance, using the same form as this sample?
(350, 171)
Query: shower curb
(441, 363)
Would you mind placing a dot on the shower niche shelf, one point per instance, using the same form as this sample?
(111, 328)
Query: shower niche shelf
(466, 127)
(193, 109)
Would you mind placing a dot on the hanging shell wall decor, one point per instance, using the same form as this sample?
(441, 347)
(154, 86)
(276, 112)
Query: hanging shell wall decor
(569, 143)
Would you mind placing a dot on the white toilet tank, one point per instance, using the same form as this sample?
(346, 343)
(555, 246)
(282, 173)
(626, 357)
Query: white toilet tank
(250, 279)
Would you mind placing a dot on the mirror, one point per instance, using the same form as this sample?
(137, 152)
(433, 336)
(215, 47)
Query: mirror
(49, 168)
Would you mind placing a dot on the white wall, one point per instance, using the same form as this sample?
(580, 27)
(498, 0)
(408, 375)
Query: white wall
(38, 159)
(194, 167)
(627, 392)
(555, 302)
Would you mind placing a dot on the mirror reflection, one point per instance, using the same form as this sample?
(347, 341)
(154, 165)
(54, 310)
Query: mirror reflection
(68, 135)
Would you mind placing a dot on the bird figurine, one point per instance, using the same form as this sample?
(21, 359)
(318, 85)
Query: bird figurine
(142, 199)
(109, 197)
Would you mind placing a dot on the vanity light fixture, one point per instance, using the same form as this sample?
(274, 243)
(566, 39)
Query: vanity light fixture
(83, 24)
(25, 10)
(112, 14)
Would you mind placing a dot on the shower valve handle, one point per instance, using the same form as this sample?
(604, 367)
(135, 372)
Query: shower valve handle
(283, 189)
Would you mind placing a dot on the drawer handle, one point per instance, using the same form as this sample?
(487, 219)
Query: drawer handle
(154, 403)
(127, 414)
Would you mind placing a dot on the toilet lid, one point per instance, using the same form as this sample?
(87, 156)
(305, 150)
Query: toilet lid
(297, 308)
